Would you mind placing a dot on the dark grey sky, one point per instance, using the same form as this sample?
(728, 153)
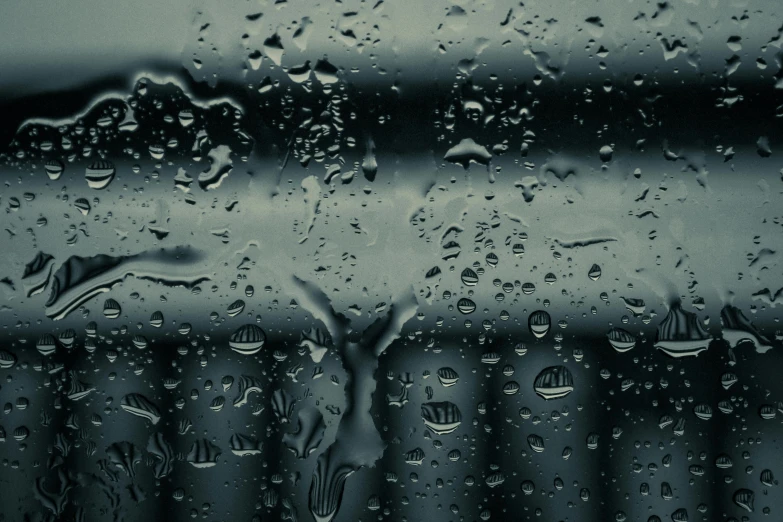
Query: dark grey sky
(39, 32)
(47, 45)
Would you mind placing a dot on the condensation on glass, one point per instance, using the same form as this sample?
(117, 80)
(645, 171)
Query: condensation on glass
(392, 261)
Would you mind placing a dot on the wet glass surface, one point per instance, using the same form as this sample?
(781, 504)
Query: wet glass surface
(391, 261)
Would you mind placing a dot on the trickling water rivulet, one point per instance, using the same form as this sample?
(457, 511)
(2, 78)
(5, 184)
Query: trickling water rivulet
(357, 442)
